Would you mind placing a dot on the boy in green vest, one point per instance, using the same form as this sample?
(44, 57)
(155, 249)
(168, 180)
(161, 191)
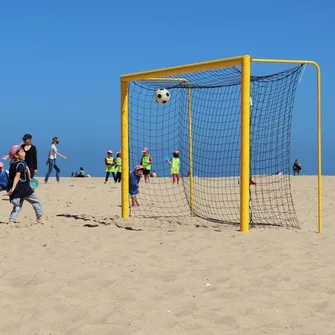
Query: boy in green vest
(146, 162)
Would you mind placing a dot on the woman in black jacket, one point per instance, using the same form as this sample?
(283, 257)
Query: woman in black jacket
(31, 154)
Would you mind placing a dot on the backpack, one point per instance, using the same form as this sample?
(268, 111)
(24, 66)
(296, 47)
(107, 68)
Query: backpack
(4, 181)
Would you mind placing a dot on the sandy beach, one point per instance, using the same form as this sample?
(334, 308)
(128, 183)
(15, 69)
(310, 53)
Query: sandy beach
(86, 271)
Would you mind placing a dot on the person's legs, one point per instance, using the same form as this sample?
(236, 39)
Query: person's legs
(31, 172)
(173, 178)
(146, 174)
(33, 200)
(57, 170)
(17, 206)
(51, 166)
(118, 177)
(114, 177)
(107, 176)
(177, 177)
(133, 201)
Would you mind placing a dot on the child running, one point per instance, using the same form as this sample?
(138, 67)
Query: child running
(19, 187)
(134, 180)
(175, 166)
(110, 166)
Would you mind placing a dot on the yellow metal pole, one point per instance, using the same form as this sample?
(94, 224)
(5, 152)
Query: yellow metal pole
(170, 71)
(245, 145)
(283, 61)
(190, 144)
(318, 96)
(319, 141)
(125, 149)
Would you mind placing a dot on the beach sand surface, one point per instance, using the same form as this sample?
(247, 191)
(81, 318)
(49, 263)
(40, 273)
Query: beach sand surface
(87, 271)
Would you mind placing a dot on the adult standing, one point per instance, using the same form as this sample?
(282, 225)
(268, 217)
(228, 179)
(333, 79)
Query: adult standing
(52, 156)
(31, 154)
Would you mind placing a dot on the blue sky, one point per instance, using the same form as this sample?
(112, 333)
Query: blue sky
(60, 64)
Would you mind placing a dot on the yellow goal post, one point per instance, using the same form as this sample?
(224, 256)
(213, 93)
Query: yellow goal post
(245, 63)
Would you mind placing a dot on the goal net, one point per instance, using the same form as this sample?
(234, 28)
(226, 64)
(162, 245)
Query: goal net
(202, 120)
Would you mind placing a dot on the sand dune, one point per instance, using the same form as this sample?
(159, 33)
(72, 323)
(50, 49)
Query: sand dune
(86, 271)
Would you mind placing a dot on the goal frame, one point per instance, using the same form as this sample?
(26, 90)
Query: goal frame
(245, 62)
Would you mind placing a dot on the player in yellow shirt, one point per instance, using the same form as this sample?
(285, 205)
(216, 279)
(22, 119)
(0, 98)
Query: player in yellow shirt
(110, 165)
(175, 166)
(146, 162)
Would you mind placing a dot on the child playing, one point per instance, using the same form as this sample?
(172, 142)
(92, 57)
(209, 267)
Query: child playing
(3, 178)
(175, 166)
(146, 162)
(134, 179)
(296, 168)
(118, 167)
(110, 166)
(19, 187)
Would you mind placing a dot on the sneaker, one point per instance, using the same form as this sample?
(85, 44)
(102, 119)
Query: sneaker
(11, 222)
(40, 220)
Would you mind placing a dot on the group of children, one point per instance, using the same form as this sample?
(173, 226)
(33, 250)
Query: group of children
(144, 168)
(19, 182)
(23, 167)
(113, 166)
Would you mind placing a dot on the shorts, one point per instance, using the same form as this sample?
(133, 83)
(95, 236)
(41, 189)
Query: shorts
(146, 172)
(133, 196)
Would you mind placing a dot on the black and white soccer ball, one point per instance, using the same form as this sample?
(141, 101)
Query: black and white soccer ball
(162, 96)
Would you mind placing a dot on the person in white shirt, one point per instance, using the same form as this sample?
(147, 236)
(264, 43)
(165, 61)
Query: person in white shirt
(53, 153)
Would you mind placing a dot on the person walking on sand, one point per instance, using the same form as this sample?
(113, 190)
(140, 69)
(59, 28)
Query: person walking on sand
(53, 153)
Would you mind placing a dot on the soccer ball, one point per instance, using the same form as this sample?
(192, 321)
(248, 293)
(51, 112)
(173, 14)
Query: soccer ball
(162, 96)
